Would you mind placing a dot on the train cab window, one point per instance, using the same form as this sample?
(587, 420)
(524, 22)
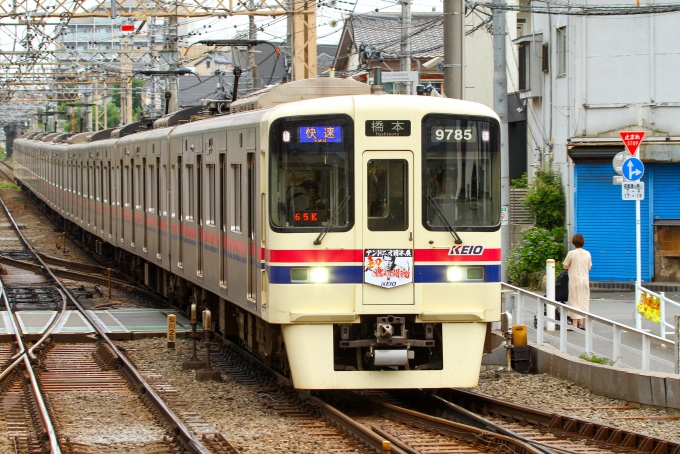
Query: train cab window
(310, 174)
(387, 194)
(461, 173)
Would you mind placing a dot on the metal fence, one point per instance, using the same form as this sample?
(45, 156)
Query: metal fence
(625, 346)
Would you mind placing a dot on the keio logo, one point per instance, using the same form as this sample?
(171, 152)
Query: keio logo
(466, 250)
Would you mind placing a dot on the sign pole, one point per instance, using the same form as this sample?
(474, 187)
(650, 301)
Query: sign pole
(638, 264)
(635, 169)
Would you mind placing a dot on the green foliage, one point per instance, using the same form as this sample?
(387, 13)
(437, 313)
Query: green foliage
(9, 185)
(546, 200)
(137, 84)
(526, 262)
(597, 359)
(112, 115)
(520, 183)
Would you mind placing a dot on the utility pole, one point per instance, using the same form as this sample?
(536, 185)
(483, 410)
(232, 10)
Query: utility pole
(454, 18)
(254, 74)
(405, 61)
(88, 117)
(500, 105)
(303, 45)
(171, 62)
(125, 84)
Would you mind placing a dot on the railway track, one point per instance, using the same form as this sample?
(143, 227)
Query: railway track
(345, 421)
(73, 381)
(554, 430)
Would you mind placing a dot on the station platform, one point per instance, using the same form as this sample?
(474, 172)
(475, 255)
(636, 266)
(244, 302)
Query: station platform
(118, 323)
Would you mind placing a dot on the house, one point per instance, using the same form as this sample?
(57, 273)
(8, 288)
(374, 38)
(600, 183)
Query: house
(584, 79)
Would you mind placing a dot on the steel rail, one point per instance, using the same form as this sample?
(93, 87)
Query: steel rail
(564, 425)
(76, 275)
(182, 431)
(460, 431)
(25, 357)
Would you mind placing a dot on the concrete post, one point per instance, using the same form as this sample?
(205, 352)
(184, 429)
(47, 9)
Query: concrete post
(500, 106)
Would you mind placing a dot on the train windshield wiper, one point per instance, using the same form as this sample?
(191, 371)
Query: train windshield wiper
(325, 230)
(449, 227)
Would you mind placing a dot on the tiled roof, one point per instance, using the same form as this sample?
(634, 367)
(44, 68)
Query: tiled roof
(383, 33)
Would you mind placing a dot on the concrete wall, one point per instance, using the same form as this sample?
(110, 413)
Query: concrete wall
(644, 387)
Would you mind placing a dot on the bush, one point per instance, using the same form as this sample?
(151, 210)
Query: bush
(520, 183)
(526, 262)
(546, 200)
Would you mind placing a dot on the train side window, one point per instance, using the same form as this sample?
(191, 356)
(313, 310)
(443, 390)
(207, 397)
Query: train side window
(138, 187)
(152, 190)
(191, 192)
(236, 213)
(127, 184)
(210, 215)
(162, 199)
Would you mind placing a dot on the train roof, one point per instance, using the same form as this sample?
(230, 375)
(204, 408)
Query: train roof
(321, 87)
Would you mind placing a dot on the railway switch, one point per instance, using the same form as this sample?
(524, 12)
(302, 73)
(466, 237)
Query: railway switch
(208, 373)
(194, 363)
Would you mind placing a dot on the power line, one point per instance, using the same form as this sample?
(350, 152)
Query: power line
(581, 10)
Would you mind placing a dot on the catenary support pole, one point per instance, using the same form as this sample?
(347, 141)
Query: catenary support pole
(405, 57)
(453, 48)
(500, 106)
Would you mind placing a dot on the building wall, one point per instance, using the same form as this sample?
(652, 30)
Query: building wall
(620, 76)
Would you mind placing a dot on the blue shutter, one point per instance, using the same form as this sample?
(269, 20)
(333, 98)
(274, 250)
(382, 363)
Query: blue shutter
(666, 191)
(608, 223)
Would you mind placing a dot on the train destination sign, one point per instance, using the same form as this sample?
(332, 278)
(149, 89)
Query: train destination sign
(388, 268)
(388, 128)
(320, 134)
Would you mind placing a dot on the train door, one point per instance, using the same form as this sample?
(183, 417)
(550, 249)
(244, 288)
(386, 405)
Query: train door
(388, 225)
(199, 216)
(157, 204)
(223, 221)
(253, 256)
(180, 212)
(143, 201)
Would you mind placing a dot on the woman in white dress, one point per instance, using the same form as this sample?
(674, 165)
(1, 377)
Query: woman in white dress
(578, 263)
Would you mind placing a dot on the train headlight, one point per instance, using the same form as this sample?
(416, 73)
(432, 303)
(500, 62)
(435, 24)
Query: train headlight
(454, 274)
(318, 275)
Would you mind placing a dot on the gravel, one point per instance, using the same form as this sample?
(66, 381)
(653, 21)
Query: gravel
(243, 416)
(237, 411)
(551, 394)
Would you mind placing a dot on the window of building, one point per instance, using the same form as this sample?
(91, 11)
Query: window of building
(561, 51)
(523, 69)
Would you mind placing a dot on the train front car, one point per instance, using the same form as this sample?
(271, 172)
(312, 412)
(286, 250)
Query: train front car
(383, 245)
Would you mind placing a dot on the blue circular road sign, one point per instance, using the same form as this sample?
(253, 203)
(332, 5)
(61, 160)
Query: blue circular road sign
(633, 169)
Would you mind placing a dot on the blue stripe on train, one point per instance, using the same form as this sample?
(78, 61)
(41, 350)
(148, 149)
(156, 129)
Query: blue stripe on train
(428, 274)
(424, 274)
